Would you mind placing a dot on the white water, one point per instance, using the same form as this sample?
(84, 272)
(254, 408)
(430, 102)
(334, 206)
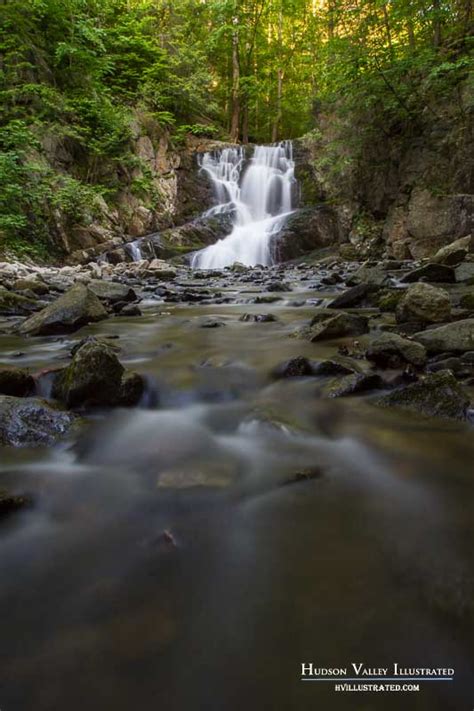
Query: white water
(134, 250)
(261, 196)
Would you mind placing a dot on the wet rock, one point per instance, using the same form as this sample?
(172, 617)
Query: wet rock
(74, 309)
(331, 367)
(12, 304)
(453, 253)
(130, 310)
(17, 382)
(267, 299)
(305, 230)
(438, 273)
(369, 273)
(111, 291)
(438, 395)
(95, 377)
(353, 384)
(258, 318)
(423, 303)
(465, 273)
(278, 286)
(351, 297)
(34, 285)
(337, 326)
(32, 422)
(389, 299)
(457, 337)
(211, 323)
(392, 351)
(459, 368)
(10, 503)
(238, 268)
(294, 368)
(467, 301)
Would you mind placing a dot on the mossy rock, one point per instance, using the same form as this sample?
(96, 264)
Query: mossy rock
(389, 299)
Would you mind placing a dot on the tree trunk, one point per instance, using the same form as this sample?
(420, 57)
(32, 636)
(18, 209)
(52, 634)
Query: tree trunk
(276, 122)
(436, 23)
(235, 101)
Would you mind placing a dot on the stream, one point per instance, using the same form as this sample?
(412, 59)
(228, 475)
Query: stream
(193, 552)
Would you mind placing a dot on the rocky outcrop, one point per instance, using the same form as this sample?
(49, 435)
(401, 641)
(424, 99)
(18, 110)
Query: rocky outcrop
(305, 230)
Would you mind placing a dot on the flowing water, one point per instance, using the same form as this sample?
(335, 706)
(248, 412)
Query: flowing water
(260, 195)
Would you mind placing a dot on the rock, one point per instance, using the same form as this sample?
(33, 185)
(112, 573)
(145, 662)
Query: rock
(438, 273)
(338, 326)
(351, 297)
(459, 368)
(278, 286)
(457, 337)
(423, 303)
(294, 368)
(392, 351)
(304, 231)
(464, 273)
(76, 308)
(17, 382)
(369, 273)
(161, 270)
(331, 367)
(438, 395)
(453, 253)
(353, 384)
(35, 285)
(95, 377)
(389, 299)
(130, 310)
(467, 301)
(211, 323)
(10, 503)
(258, 318)
(111, 291)
(267, 299)
(238, 268)
(32, 422)
(12, 304)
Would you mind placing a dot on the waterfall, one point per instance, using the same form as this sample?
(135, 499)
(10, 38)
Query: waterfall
(260, 195)
(133, 249)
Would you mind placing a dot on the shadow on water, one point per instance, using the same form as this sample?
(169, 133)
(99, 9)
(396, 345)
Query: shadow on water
(192, 556)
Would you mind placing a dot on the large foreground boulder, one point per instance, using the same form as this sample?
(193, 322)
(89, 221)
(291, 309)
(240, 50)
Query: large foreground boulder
(32, 422)
(74, 309)
(423, 303)
(457, 337)
(438, 395)
(95, 377)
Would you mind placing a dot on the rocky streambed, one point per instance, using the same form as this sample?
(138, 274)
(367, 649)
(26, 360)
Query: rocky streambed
(282, 455)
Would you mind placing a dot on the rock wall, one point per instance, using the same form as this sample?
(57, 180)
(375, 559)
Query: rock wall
(403, 193)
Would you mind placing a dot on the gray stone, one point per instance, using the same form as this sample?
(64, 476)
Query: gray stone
(336, 326)
(74, 309)
(438, 273)
(457, 337)
(423, 303)
(438, 395)
(111, 291)
(32, 422)
(391, 350)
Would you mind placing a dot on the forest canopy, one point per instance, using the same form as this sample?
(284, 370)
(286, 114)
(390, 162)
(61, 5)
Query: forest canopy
(244, 70)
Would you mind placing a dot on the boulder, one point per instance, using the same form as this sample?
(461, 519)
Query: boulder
(258, 318)
(453, 253)
(467, 301)
(295, 368)
(95, 377)
(370, 273)
(35, 285)
(74, 309)
(438, 395)
(423, 303)
(351, 297)
(336, 326)
(464, 273)
(457, 337)
(12, 304)
(305, 230)
(353, 384)
(392, 351)
(32, 422)
(15, 381)
(438, 273)
(111, 291)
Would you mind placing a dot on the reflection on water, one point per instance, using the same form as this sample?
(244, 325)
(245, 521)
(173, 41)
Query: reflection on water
(368, 559)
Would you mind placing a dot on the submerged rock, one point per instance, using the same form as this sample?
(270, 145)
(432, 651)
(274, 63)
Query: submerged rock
(457, 337)
(17, 382)
(423, 303)
(438, 395)
(32, 422)
(295, 368)
(392, 351)
(74, 309)
(95, 377)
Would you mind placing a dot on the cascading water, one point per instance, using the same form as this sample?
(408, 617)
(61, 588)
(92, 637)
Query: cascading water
(261, 198)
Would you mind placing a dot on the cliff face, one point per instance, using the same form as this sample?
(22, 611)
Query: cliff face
(403, 192)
